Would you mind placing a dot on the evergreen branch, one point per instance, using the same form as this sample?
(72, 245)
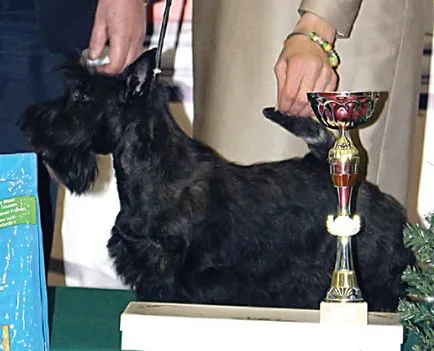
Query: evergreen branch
(421, 240)
(417, 316)
(420, 282)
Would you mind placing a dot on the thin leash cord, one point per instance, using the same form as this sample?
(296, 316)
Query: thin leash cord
(180, 23)
(157, 69)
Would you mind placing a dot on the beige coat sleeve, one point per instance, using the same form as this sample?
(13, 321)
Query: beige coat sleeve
(338, 13)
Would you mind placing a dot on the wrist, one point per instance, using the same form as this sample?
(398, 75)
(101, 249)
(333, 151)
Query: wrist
(309, 22)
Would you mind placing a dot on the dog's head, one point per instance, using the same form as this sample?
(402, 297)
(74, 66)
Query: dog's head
(87, 120)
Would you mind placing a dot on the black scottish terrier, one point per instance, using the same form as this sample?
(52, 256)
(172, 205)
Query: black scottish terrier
(196, 228)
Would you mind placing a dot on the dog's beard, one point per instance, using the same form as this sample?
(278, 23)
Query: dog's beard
(76, 170)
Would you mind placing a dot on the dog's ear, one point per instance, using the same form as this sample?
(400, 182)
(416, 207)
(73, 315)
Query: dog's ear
(139, 74)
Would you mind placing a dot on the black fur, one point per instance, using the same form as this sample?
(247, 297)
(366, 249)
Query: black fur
(196, 228)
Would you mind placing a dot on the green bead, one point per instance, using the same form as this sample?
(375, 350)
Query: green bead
(327, 47)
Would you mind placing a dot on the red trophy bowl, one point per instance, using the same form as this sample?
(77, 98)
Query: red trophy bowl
(343, 110)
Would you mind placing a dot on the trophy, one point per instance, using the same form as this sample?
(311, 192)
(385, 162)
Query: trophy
(344, 111)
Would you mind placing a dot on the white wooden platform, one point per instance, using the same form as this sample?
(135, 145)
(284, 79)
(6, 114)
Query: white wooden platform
(170, 327)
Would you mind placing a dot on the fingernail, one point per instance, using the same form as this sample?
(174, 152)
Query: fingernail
(91, 53)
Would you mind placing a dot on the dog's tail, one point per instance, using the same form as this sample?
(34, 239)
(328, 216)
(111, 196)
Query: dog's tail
(317, 137)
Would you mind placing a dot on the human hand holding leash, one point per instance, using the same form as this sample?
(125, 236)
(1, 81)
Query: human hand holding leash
(304, 66)
(122, 23)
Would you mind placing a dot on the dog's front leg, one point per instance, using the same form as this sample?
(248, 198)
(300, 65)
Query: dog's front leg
(148, 255)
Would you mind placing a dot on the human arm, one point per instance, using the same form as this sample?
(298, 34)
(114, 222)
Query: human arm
(302, 65)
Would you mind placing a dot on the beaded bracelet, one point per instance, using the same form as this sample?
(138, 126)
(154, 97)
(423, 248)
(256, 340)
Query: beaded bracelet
(324, 44)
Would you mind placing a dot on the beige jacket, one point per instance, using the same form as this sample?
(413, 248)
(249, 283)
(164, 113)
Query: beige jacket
(236, 44)
(340, 14)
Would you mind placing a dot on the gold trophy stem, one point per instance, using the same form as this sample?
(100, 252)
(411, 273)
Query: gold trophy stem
(344, 163)
(344, 287)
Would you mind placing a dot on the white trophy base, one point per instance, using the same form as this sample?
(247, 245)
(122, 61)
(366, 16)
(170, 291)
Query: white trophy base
(168, 327)
(350, 313)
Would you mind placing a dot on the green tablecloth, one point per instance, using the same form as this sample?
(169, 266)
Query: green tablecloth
(88, 319)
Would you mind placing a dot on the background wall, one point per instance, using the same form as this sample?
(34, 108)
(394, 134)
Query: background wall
(425, 131)
(83, 225)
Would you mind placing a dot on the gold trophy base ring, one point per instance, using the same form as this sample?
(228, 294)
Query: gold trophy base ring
(344, 287)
